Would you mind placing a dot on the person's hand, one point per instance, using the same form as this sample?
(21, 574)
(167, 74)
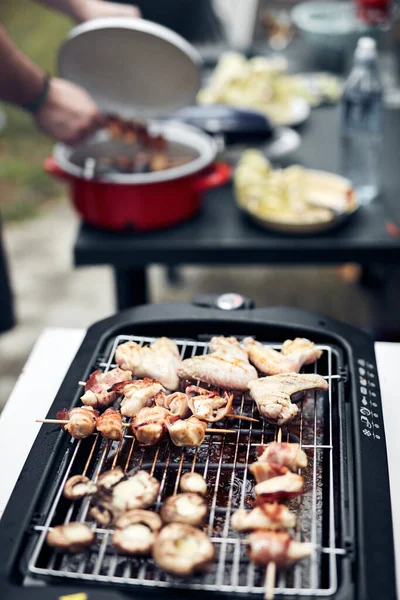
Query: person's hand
(93, 9)
(69, 114)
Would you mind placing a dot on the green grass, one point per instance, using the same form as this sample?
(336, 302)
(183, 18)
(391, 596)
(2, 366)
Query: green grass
(24, 187)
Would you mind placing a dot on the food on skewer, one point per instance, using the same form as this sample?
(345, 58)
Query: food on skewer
(226, 367)
(208, 405)
(280, 488)
(193, 482)
(289, 455)
(79, 486)
(97, 388)
(273, 394)
(293, 356)
(176, 403)
(264, 516)
(150, 425)
(263, 470)
(136, 531)
(138, 394)
(158, 361)
(72, 537)
(190, 433)
(276, 546)
(184, 508)
(81, 421)
(183, 550)
(110, 425)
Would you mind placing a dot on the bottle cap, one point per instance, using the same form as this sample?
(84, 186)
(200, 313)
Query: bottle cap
(366, 48)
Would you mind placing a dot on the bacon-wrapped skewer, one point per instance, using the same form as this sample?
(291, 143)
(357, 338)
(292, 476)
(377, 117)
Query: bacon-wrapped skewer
(277, 547)
(97, 388)
(110, 425)
(208, 405)
(176, 403)
(264, 516)
(279, 488)
(81, 421)
(150, 425)
(138, 394)
(263, 470)
(190, 433)
(289, 455)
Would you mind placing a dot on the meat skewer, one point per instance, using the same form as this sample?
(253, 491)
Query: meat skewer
(138, 394)
(97, 387)
(208, 405)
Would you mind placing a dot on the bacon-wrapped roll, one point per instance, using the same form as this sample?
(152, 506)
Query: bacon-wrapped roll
(97, 388)
(150, 425)
(208, 405)
(138, 394)
(189, 433)
(81, 421)
(275, 546)
(109, 424)
(282, 453)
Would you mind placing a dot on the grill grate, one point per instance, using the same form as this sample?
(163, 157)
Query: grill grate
(223, 460)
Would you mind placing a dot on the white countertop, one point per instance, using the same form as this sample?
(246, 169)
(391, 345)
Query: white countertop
(56, 348)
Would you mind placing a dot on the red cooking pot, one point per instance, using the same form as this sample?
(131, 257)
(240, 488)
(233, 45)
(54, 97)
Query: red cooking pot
(140, 201)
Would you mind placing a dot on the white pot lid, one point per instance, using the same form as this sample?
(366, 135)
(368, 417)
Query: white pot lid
(131, 67)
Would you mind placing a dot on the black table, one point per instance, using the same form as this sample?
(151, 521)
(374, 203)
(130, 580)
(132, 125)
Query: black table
(220, 234)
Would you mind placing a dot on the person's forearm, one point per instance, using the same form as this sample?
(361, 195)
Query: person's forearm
(21, 80)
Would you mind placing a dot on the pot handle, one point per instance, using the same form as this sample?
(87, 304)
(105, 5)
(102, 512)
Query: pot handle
(218, 174)
(51, 167)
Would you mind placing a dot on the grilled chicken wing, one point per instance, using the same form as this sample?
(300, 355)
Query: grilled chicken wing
(278, 547)
(97, 388)
(190, 433)
(137, 395)
(150, 425)
(263, 470)
(226, 367)
(281, 453)
(266, 516)
(183, 550)
(208, 405)
(81, 421)
(158, 361)
(109, 424)
(294, 354)
(273, 394)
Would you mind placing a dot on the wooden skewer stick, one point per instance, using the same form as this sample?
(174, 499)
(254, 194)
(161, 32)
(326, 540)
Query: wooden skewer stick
(82, 383)
(66, 421)
(270, 573)
(242, 417)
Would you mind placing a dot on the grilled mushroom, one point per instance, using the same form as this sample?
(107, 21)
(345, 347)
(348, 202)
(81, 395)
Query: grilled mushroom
(183, 550)
(73, 537)
(109, 424)
(138, 491)
(190, 433)
(193, 482)
(136, 531)
(79, 486)
(108, 479)
(184, 508)
(104, 512)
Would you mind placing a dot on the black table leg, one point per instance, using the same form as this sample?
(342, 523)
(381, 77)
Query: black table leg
(131, 287)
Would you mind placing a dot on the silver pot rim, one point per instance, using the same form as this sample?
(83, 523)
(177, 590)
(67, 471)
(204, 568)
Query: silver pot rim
(203, 143)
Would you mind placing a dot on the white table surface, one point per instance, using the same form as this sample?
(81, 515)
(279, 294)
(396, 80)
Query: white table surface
(56, 347)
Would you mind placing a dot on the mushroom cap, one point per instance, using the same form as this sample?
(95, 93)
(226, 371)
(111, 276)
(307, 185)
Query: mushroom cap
(183, 550)
(73, 537)
(139, 490)
(193, 482)
(79, 486)
(186, 508)
(136, 531)
(109, 479)
(104, 512)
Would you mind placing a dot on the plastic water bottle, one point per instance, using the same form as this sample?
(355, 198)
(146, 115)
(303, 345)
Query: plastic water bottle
(361, 136)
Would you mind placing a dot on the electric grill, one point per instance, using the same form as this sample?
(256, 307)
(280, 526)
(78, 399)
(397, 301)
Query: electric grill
(345, 510)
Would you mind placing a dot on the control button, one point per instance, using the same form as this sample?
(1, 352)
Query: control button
(230, 301)
(365, 411)
(371, 375)
(376, 425)
(372, 384)
(370, 366)
(376, 415)
(366, 432)
(361, 371)
(374, 404)
(363, 381)
(377, 437)
(364, 401)
(366, 422)
(364, 391)
(361, 362)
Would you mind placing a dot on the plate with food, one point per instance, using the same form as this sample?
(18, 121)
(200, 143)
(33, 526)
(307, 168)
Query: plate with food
(292, 200)
(261, 84)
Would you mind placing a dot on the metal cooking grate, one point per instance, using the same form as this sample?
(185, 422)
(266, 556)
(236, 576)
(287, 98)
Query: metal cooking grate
(223, 460)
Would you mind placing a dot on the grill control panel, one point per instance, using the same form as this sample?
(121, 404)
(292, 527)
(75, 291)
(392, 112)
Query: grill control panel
(371, 419)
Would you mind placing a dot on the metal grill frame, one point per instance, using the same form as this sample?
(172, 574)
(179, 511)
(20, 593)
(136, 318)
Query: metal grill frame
(226, 541)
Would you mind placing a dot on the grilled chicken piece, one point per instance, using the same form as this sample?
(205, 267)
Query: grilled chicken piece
(226, 367)
(190, 433)
(158, 361)
(109, 424)
(183, 550)
(273, 394)
(184, 508)
(193, 482)
(138, 394)
(208, 405)
(278, 547)
(72, 537)
(294, 354)
(79, 486)
(281, 453)
(265, 516)
(150, 425)
(263, 470)
(81, 421)
(176, 403)
(136, 531)
(97, 388)
(286, 486)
